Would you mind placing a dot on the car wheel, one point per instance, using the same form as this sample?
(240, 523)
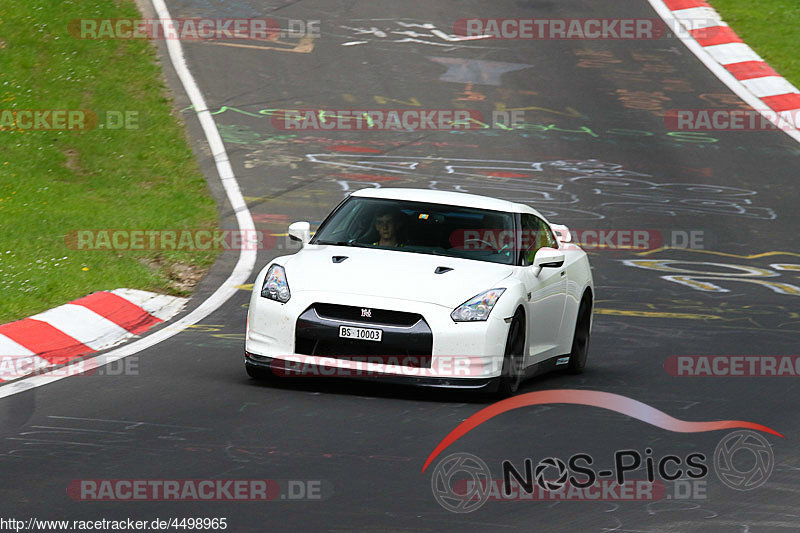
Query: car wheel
(257, 372)
(580, 341)
(512, 372)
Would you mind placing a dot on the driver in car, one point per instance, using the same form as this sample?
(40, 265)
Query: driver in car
(388, 224)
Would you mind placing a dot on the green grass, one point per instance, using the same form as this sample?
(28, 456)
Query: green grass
(771, 28)
(52, 182)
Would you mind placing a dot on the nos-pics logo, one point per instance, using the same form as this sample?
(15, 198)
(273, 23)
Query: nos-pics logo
(462, 482)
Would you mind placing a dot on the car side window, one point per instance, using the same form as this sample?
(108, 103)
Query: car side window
(536, 234)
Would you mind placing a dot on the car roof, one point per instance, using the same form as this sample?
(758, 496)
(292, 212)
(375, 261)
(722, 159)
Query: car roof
(446, 198)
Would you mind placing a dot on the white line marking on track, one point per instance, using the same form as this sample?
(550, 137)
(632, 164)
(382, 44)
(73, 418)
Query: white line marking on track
(247, 258)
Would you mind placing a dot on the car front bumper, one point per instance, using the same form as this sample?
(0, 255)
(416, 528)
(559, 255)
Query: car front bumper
(435, 350)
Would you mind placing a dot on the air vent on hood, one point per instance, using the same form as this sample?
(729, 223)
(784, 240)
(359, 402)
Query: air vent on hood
(338, 258)
(442, 270)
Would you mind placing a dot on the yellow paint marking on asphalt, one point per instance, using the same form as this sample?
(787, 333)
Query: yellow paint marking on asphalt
(655, 314)
(245, 287)
(724, 254)
(229, 336)
(304, 46)
(205, 328)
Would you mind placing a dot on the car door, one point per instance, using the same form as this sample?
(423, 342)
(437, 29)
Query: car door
(547, 292)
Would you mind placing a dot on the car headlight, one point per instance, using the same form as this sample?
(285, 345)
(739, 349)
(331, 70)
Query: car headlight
(276, 287)
(478, 307)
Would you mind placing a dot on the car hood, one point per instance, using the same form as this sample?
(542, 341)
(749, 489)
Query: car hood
(391, 274)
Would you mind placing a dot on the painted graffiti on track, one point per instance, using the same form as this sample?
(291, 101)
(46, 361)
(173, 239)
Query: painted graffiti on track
(557, 187)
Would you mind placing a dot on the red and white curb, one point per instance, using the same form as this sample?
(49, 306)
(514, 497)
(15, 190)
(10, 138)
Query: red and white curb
(84, 326)
(767, 90)
(240, 274)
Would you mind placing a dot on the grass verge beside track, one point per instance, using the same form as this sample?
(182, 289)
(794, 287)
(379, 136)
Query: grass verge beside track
(770, 27)
(55, 182)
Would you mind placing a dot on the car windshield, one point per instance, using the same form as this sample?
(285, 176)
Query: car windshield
(419, 227)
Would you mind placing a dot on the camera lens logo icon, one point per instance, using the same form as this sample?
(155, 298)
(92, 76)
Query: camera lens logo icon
(547, 465)
(461, 482)
(744, 460)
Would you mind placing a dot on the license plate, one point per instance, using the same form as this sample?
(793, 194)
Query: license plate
(362, 334)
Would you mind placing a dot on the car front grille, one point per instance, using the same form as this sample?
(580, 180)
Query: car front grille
(407, 339)
(384, 317)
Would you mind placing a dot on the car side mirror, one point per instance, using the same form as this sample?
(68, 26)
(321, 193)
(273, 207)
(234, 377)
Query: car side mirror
(300, 231)
(547, 258)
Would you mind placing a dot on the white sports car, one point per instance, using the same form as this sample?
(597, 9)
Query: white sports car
(426, 287)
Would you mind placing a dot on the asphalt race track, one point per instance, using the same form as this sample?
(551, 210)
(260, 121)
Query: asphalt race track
(596, 155)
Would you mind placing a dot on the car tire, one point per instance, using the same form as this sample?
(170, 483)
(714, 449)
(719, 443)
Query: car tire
(512, 372)
(580, 340)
